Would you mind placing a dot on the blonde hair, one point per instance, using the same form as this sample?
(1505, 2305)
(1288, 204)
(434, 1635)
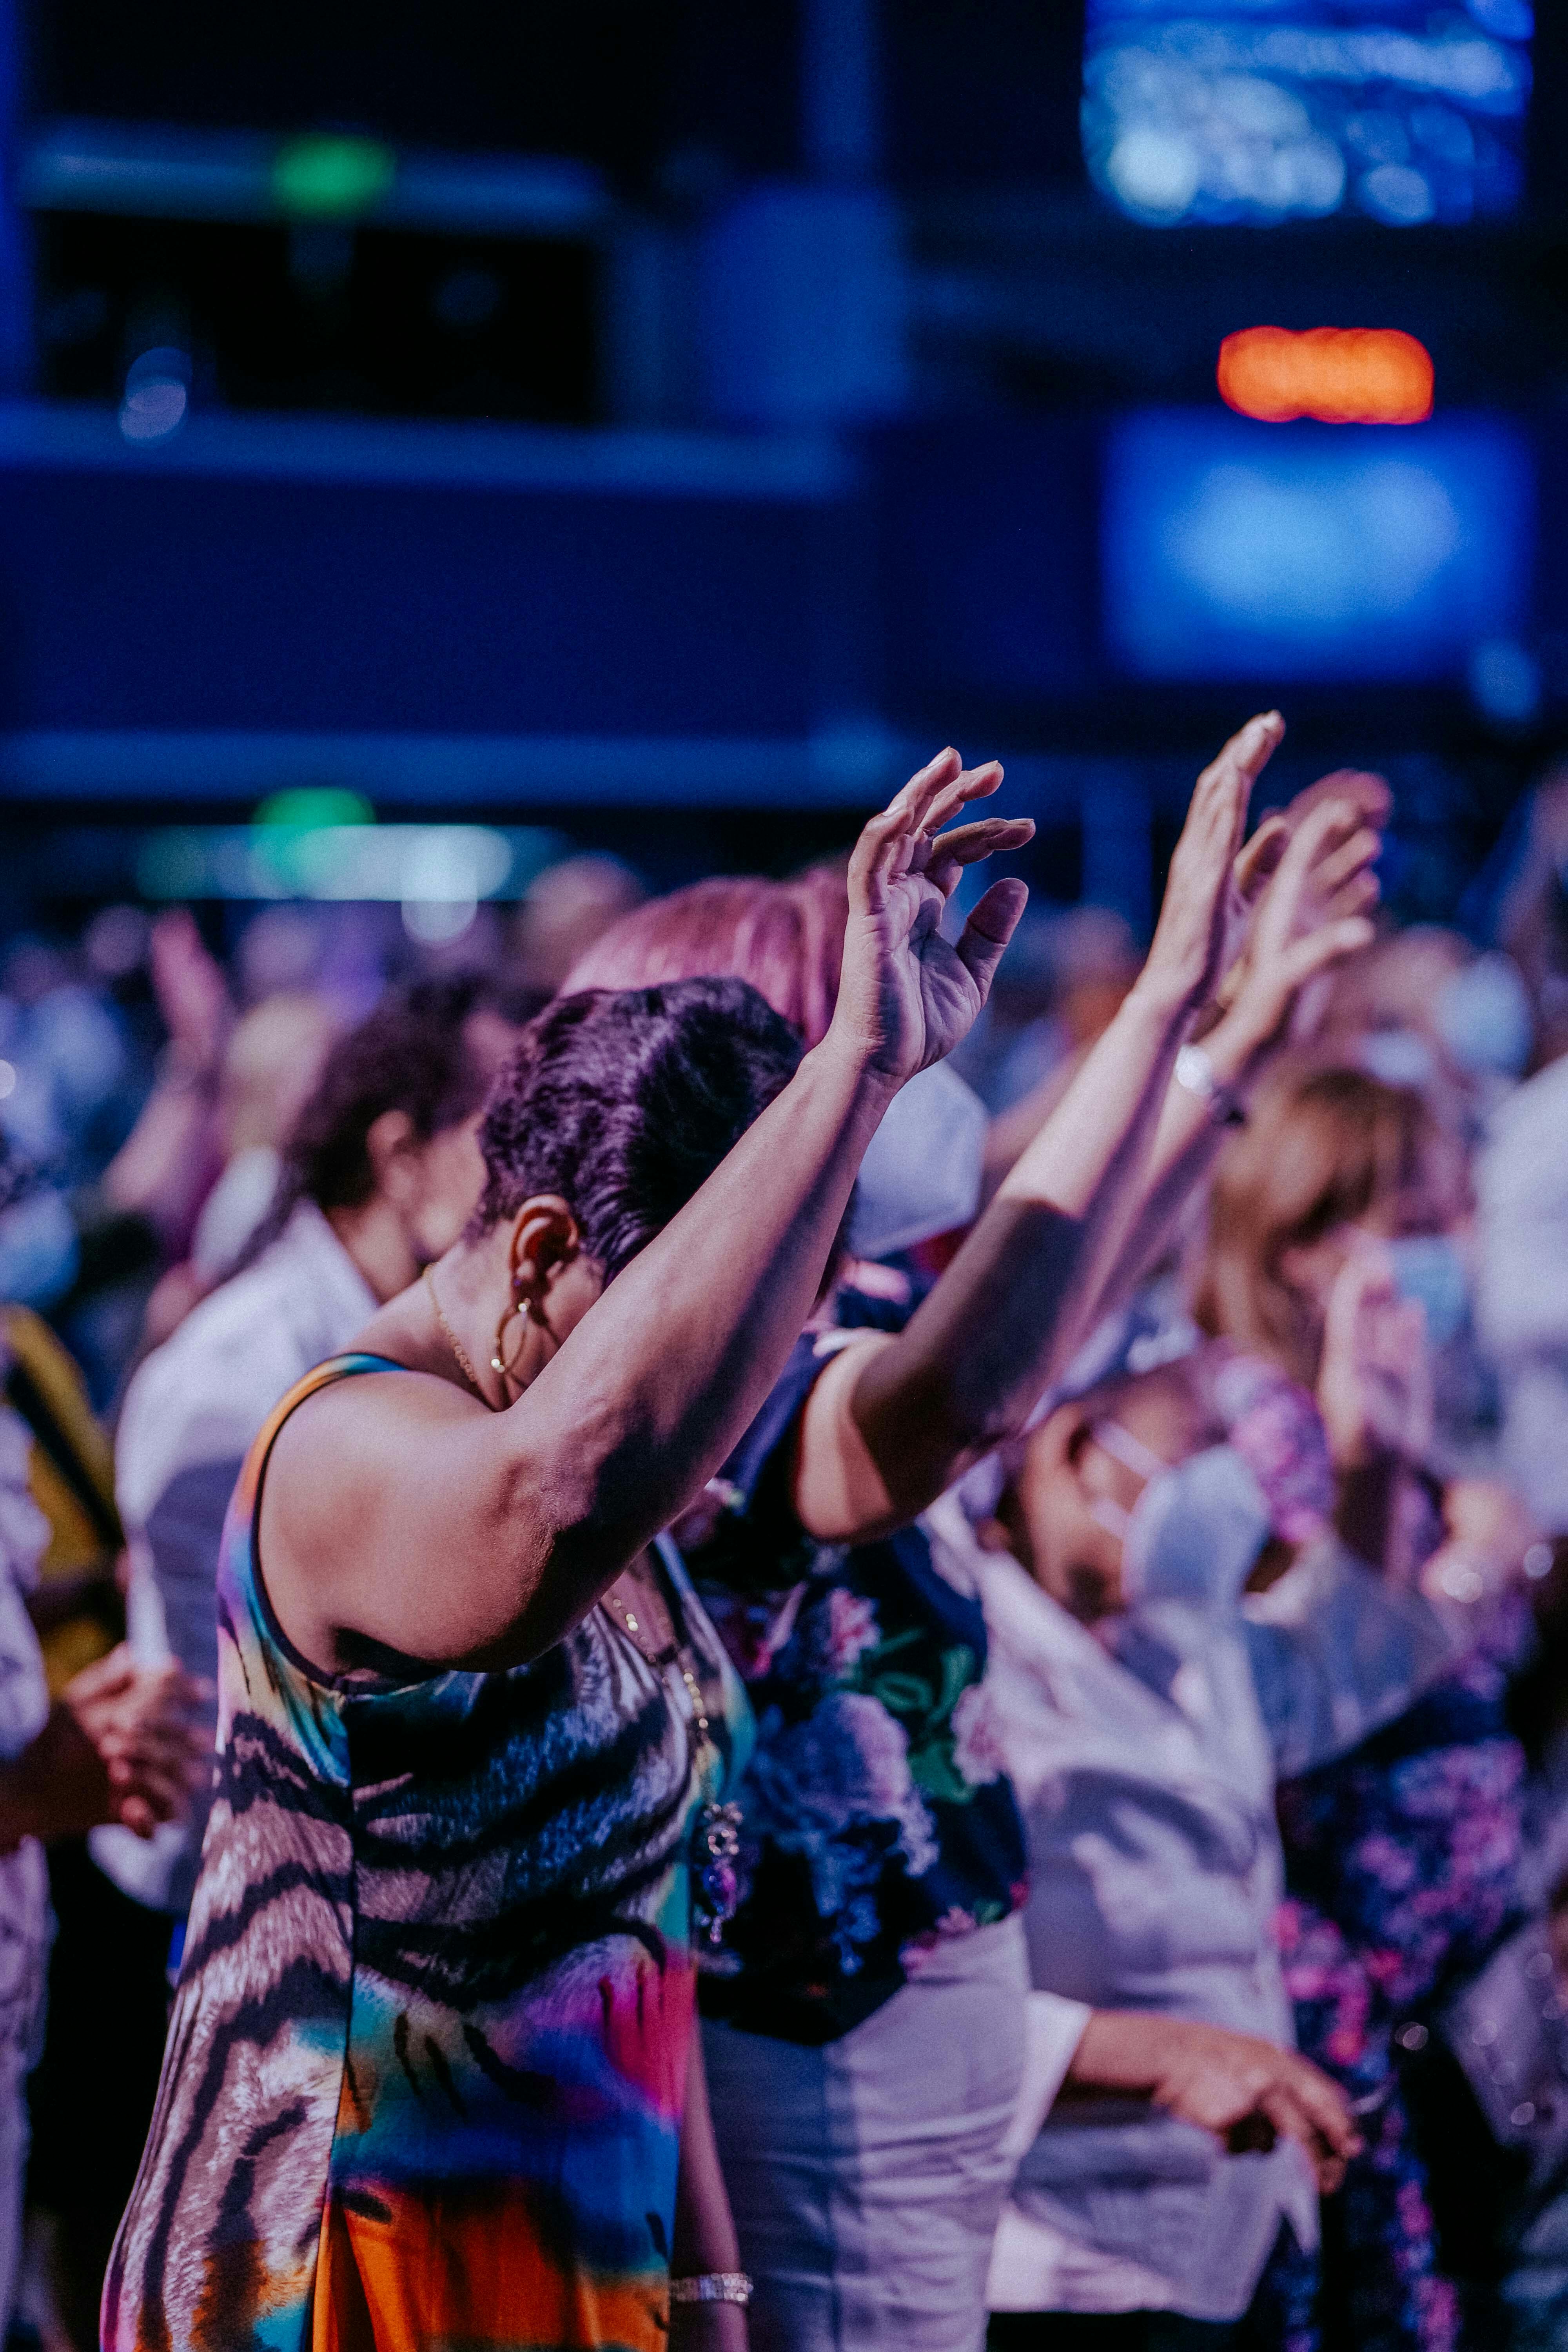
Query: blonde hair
(1322, 1149)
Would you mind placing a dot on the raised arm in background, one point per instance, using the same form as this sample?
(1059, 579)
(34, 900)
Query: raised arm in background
(893, 1421)
(1311, 891)
(537, 1508)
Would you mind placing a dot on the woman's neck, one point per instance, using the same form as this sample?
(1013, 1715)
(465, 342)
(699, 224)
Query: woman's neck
(466, 1295)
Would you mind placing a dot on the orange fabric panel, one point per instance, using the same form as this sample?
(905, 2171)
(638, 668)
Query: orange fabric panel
(440, 2270)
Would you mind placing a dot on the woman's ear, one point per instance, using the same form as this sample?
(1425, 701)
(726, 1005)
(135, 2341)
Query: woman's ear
(545, 1242)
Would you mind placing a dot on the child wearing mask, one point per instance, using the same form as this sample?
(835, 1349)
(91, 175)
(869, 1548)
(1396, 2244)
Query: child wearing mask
(1145, 1704)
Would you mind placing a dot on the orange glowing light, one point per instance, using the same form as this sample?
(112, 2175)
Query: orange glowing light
(1341, 375)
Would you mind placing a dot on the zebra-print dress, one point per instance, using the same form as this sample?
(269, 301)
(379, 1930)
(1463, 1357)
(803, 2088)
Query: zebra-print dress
(425, 2074)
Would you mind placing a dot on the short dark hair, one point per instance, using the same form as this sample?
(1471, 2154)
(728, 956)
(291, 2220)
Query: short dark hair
(625, 1102)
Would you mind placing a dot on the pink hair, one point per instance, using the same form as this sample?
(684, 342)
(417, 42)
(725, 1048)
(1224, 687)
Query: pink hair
(785, 938)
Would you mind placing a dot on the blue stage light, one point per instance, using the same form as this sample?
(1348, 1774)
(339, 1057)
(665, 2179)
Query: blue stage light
(1231, 551)
(1261, 110)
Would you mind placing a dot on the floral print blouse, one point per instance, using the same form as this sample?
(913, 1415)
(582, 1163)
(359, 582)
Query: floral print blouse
(1402, 1874)
(877, 1820)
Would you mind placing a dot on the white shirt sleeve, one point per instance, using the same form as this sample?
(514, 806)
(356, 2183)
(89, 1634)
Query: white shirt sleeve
(1053, 2028)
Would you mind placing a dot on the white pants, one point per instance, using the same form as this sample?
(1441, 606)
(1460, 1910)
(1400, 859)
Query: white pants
(868, 2175)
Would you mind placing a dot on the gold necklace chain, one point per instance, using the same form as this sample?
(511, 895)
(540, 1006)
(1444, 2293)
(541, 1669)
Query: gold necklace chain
(715, 1822)
(457, 1345)
(681, 1660)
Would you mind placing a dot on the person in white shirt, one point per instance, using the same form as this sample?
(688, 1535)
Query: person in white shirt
(380, 1176)
(1144, 1709)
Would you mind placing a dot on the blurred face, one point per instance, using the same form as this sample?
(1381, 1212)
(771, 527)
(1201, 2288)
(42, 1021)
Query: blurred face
(1435, 1199)
(438, 1189)
(434, 1186)
(1083, 1475)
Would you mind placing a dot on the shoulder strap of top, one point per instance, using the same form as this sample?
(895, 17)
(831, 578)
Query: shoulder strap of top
(320, 1376)
(240, 1532)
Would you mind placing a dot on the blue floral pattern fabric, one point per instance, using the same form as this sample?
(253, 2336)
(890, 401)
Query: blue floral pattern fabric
(877, 1820)
(1402, 1874)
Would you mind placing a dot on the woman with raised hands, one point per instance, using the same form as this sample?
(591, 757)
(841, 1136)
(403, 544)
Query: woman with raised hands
(866, 2030)
(431, 2077)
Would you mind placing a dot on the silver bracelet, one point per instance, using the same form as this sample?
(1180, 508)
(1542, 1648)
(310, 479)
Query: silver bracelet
(1198, 1075)
(711, 2286)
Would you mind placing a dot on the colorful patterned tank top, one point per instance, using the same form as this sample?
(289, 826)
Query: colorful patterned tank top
(425, 2074)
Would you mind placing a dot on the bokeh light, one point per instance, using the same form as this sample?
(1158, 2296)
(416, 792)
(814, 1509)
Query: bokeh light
(1339, 375)
(1232, 112)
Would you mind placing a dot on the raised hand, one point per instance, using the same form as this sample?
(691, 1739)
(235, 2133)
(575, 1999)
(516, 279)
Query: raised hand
(906, 995)
(192, 992)
(1307, 914)
(1203, 912)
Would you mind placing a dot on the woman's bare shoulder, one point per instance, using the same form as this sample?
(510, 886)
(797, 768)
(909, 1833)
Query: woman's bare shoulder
(348, 1465)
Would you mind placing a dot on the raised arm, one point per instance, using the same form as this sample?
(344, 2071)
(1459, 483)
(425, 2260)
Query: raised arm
(457, 1534)
(892, 1423)
(1310, 910)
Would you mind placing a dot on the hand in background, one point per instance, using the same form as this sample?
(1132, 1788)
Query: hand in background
(1488, 1534)
(1202, 914)
(148, 1732)
(1307, 912)
(1375, 1387)
(906, 995)
(192, 992)
(1236, 2085)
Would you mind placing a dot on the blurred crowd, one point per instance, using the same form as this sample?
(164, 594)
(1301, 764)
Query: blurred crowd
(1276, 1580)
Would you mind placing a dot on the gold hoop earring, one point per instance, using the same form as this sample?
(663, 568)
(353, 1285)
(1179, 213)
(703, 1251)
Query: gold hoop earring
(499, 1361)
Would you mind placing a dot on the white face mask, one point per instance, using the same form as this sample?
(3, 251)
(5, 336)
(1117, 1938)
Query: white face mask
(1195, 1531)
(923, 1167)
(1484, 1017)
(1398, 1056)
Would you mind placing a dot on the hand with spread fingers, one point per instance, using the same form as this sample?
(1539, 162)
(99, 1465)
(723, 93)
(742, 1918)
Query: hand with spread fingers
(907, 994)
(1305, 872)
(1310, 900)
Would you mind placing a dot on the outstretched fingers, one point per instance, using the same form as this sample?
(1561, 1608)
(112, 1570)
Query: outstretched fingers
(1216, 815)
(898, 839)
(1329, 944)
(1260, 857)
(1349, 863)
(967, 844)
(1324, 872)
(1228, 779)
(912, 800)
(1370, 795)
(883, 852)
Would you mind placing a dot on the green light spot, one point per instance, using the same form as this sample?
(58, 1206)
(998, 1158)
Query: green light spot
(331, 178)
(306, 808)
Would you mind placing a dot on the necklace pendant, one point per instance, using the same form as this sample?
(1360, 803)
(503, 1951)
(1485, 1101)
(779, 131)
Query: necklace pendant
(716, 1894)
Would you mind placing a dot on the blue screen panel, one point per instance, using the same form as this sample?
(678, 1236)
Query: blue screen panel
(1232, 549)
(1404, 111)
